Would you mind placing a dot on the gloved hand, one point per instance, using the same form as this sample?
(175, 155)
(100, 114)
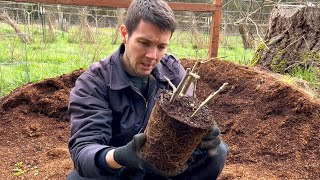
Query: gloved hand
(212, 140)
(129, 155)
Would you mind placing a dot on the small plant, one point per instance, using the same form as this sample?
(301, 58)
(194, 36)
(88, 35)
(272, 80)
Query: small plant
(35, 170)
(19, 169)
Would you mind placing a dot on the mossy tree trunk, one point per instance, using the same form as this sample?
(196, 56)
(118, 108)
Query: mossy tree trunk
(292, 40)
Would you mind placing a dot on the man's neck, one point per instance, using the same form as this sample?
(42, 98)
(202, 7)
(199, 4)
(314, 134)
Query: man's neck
(128, 67)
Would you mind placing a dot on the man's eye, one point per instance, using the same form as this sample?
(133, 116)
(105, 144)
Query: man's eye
(144, 43)
(162, 47)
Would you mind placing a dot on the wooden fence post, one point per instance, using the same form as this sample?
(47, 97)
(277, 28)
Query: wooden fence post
(215, 29)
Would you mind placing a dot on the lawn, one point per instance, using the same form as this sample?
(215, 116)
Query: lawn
(49, 56)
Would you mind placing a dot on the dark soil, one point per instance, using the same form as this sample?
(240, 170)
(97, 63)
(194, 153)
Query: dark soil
(272, 128)
(172, 134)
(183, 108)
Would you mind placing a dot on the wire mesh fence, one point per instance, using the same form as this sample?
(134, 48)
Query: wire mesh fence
(38, 41)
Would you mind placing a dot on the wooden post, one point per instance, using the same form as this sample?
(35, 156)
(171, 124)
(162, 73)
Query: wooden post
(215, 29)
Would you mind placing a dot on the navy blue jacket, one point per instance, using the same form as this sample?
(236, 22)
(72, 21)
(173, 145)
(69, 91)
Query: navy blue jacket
(107, 110)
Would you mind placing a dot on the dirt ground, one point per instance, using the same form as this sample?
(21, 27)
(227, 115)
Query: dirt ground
(272, 128)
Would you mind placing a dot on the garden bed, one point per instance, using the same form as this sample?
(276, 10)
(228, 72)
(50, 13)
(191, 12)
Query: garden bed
(271, 127)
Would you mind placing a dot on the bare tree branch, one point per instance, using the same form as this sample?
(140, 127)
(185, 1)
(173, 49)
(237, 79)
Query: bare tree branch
(261, 39)
(6, 18)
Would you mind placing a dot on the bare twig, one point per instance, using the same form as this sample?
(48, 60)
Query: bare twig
(191, 78)
(292, 43)
(6, 18)
(194, 72)
(239, 8)
(180, 86)
(258, 33)
(210, 97)
(253, 12)
(306, 43)
(208, 60)
(171, 84)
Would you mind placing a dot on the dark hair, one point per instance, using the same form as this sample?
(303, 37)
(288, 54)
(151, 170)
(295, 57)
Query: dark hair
(156, 12)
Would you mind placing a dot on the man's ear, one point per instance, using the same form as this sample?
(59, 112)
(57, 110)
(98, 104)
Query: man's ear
(124, 34)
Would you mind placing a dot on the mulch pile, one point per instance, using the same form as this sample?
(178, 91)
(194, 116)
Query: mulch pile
(272, 128)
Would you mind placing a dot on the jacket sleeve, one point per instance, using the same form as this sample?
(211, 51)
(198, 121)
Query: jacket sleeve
(91, 119)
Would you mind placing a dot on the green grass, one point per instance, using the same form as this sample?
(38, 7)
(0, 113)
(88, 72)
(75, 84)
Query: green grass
(307, 74)
(183, 45)
(232, 48)
(60, 51)
(308, 77)
(13, 76)
(21, 63)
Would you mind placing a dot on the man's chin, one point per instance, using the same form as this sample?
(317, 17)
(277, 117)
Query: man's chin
(144, 73)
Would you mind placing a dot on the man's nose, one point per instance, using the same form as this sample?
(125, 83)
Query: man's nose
(152, 53)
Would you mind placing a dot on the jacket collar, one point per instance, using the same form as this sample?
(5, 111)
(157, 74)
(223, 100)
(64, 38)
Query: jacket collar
(119, 78)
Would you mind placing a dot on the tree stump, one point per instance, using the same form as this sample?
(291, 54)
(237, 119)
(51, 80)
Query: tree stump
(172, 135)
(293, 39)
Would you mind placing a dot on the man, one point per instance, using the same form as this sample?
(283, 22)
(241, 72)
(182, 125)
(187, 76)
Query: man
(111, 103)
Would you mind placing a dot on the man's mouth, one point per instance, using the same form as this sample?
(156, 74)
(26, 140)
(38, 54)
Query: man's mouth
(147, 65)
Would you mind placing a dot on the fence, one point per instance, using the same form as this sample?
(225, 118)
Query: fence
(63, 38)
(214, 8)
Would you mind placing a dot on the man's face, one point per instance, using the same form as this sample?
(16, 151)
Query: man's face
(144, 48)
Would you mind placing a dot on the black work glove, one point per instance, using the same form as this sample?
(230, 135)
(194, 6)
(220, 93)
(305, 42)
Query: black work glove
(211, 141)
(129, 155)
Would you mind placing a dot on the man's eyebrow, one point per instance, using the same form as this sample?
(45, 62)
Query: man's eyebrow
(143, 38)
(148, 40)
(165, 44)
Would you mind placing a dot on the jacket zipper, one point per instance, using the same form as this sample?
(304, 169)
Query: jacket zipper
(145, 101)
(145, 113)
(146, 105)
